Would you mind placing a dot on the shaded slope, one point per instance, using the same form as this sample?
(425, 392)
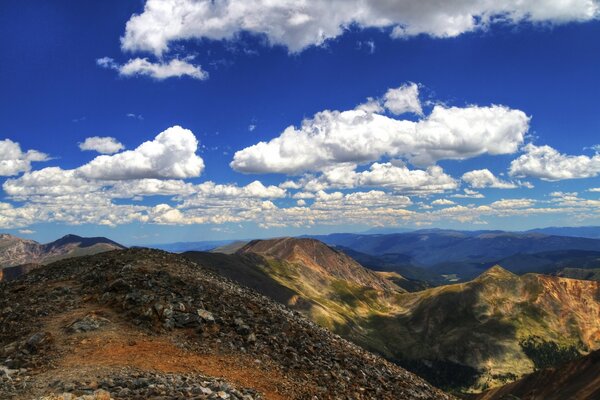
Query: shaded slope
(144, 313)
(577, 380)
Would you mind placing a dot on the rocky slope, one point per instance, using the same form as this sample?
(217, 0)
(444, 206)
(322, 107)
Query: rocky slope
(578, 379)
(15, 252)
(468, 336)
(147, 324)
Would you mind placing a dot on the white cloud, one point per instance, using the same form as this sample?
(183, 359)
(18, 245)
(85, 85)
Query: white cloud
(548, 164)
(26, 232)
(393, 175)
(103, 145)
(172, 154)
(404, 99)
(299, 24)
(468, 194)
(174, 68)
(14, 161)
(482, 178)
(359, 136)
(512, 203)
(594, 189)
(442, 202)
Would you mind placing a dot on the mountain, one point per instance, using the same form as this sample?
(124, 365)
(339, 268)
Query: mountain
(462, 255)
(416, 277)
(578, 379)
(309, 276)
(579, 231)
(143, 323)
(180, 247)
(314, 257)
(431, 247)
(15, 251)
(501, 325)
(467, 336)
(580, 273)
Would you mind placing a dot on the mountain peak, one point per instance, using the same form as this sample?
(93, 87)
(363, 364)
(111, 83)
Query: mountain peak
(83, 241)
(497, 272)
(318, 258)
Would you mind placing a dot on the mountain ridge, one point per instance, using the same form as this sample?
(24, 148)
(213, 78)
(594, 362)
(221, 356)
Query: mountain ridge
(18, 256)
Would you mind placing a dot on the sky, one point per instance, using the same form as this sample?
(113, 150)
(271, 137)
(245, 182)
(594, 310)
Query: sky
(176, 120)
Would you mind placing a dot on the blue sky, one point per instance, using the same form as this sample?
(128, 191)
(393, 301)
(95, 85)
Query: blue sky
(488, 122)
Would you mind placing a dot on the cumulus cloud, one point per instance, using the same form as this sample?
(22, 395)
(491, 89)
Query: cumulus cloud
(482, 178)
(103, 145)
(468, 194)
(392, 175)
(300, 24)
(174, 68)
(546, 163)
(172, 154)
(359, 136)
(14, 161)
(404, 99)
(442, 202)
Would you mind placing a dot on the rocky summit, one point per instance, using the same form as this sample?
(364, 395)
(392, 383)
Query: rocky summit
(144, 324)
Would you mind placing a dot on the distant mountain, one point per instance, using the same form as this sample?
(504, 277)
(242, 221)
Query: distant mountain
(431, 247)
(18, 256)
(578, 379)
(579, 231)
(463, 255)
(580, 273)
(180, 247)
(472, 335)
(417, 278)
(230, 248)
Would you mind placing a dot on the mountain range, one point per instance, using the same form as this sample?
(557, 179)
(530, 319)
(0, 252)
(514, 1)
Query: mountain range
(467, 336)
(18, 256)
(464, 337)
(450, 255)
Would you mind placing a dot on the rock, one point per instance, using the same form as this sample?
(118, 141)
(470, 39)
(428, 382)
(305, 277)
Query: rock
(205, 315)
(90, 322)
(38, 340)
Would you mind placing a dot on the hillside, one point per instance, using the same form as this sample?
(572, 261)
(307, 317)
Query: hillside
(467, 336)
(578, 379)
(500, 324)
(15, 251)
(147, 324)
(305, 274)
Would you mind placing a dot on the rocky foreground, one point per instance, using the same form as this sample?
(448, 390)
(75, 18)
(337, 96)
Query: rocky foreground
(144, 324)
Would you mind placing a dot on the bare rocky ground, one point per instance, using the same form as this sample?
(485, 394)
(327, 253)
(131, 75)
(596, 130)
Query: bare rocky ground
(144, 324)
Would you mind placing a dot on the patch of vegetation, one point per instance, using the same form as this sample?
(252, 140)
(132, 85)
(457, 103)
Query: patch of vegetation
(545, 354)
(446, 375)
(353, 294)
